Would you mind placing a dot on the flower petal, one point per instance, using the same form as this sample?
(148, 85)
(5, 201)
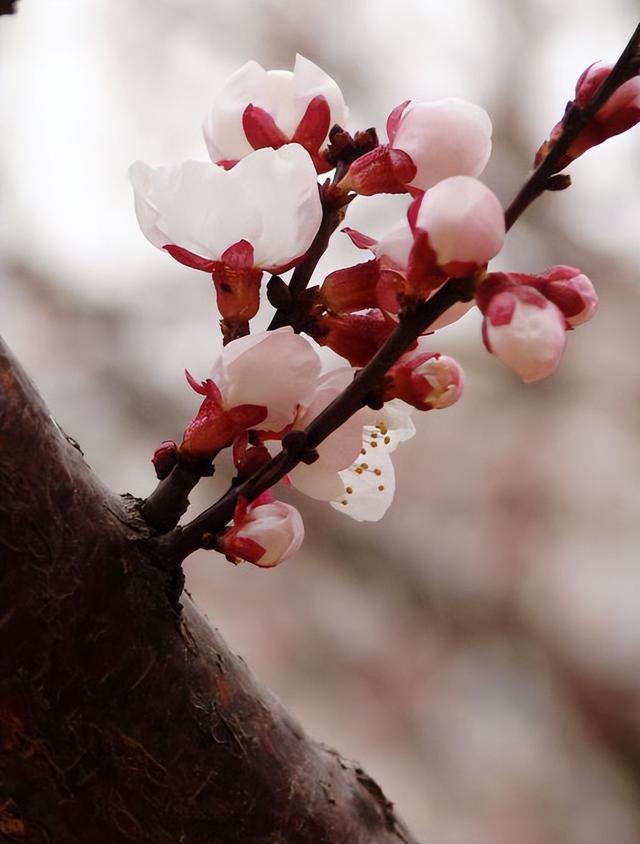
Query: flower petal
(194, 205)
(464, 221)
(222, 128)
(283, 185)
(450, 137)
(310, 81)
(277, 369)
(367, 492)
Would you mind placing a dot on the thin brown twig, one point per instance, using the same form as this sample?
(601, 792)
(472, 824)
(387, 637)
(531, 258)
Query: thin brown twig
(575, 119)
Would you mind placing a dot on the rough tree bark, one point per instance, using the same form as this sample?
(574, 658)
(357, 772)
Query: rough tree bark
(123, 715)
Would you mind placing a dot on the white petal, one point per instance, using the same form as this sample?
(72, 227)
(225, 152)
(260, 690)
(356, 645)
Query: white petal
(194, 205)
(320, 479)
(310, 81)
(464, 220)
(282, 106)
(369, 483)
(532, 344)
(395, 417)
(394, 248)
(367, 492)
(274, 369)
(284, 188)
(450, 137)
(222, 127)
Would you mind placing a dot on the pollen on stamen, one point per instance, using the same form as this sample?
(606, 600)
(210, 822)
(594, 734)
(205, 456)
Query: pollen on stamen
(364, 466)
(358, 470)
(381, 488)
(348, 490)
(344, 501)
(387, 440)
(363, 451)
(373, 444)
(381, 426)
(374, 434)
(377, 472)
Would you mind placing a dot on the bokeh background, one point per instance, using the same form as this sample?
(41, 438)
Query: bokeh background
(478, 650)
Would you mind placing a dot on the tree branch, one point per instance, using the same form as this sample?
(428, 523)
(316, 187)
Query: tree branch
(119, 714)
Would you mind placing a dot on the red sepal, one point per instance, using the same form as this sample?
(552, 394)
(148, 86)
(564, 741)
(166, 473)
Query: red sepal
(423, 274)
(227, 163)
(393, 121)
(412, 212)
(237, 283)
(351, 288)
(260, 128)
(390, 287)
(245, 549)
(383, 170)
(362, 241)
(356, 337)
(313, 129)
(206, 388)
(189, 259)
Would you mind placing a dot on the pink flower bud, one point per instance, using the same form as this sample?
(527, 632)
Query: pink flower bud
(525, 331)
(425, 380)
(464, 223)
(406, 270)
(570, 291)
(264, 534)
(568, 288)
(259, 108)
(619, 113)
(165, 458)
(450, 137)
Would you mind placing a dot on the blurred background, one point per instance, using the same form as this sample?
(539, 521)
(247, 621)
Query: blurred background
(478, 650)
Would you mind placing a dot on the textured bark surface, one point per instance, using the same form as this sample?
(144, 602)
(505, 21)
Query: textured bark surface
(123, 715)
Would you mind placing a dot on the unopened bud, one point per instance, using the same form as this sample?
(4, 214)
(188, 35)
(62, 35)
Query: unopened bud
(570, 291)
(464, 222)
(525, 331)
(165, 458)
(264, 534)
(620, 112)
(426, 380)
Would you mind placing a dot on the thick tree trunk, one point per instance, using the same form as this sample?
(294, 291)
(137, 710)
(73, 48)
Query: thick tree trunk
(123, 715)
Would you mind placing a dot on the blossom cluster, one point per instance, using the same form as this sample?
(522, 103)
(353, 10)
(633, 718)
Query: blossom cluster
(258, 208)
